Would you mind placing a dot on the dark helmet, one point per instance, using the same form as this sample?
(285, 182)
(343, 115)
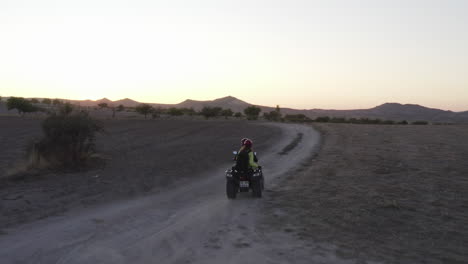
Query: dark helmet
(248, 143)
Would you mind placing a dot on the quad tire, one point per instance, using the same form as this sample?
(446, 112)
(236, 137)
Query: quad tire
(257, 187)
(231, 190)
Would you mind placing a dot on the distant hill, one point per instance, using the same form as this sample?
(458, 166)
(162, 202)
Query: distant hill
(387, 111)
(104, 101)
(126, 102)
(233, 103)
(396, 111)
(89, 102)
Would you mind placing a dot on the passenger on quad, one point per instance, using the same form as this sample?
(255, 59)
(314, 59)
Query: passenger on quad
(242, 145)
(246, 174)
(246, 159)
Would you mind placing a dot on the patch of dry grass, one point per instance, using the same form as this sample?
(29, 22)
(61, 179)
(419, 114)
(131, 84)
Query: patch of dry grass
(392, 193)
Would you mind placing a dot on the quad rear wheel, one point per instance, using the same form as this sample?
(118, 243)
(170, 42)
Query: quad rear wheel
(257, 188)
(231, 189)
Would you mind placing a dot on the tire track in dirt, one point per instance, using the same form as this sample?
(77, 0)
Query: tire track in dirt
(292, 145)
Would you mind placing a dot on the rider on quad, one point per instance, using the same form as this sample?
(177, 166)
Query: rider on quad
(246, 175)
(246, 158)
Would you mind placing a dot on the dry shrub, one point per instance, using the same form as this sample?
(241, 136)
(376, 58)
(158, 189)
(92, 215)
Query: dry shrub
(68, 141)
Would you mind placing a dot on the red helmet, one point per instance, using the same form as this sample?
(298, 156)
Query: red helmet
(248, 143)
(243, 140)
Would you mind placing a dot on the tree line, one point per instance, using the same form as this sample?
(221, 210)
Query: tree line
(24, 106)
(301, 118)
(250, 113)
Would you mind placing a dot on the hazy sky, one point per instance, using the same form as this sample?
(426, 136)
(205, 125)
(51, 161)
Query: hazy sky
(303, 54)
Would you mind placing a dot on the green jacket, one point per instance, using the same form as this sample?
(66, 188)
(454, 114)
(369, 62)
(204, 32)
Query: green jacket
(252, 163)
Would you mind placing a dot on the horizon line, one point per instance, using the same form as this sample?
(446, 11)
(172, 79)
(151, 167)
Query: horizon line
(300, 109)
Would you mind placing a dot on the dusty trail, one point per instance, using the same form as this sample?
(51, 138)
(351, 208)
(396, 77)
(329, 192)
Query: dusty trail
(194, 223)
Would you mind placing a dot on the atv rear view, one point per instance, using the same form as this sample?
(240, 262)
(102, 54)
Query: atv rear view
(244, 181)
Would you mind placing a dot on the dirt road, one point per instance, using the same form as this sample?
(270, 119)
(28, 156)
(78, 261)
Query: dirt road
(194, 223)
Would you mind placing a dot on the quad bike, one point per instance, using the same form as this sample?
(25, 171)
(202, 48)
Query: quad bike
(244, 181)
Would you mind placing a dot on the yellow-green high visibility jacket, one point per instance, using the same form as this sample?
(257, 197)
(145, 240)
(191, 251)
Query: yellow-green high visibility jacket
(252, 162)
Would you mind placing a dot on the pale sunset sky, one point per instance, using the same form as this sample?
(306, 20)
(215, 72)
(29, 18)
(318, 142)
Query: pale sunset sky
(303, 54)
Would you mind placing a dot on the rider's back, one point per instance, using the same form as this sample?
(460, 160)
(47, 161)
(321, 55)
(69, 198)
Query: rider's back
(242, 160)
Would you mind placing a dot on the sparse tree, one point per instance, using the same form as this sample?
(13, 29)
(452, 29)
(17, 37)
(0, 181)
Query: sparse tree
(364, 120)
(252, 112)
(322, 119)
(173, 111)
(22, 105)
(120, 108)
(56, 102)
(270, 116)
(238, 115)
(103, 105)
(404, 122)
(66, 109)
(144, 109)
(114, 109)
(189, 111)
(297, 118)
(208, 112)
(421, 122)
(274, 115)
(157, 112)
(34, 101)
(338, 120)
(227, 113)
(47, 101)
(68, 140)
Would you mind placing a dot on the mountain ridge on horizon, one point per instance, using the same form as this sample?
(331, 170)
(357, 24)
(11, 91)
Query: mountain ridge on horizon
(232, 98)
(385, 111)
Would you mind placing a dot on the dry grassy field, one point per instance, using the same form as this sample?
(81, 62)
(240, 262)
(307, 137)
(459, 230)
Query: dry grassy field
(397, 194)
(139, 156)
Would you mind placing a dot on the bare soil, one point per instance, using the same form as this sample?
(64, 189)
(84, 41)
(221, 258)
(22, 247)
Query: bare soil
(140, 157)
(396, 194)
